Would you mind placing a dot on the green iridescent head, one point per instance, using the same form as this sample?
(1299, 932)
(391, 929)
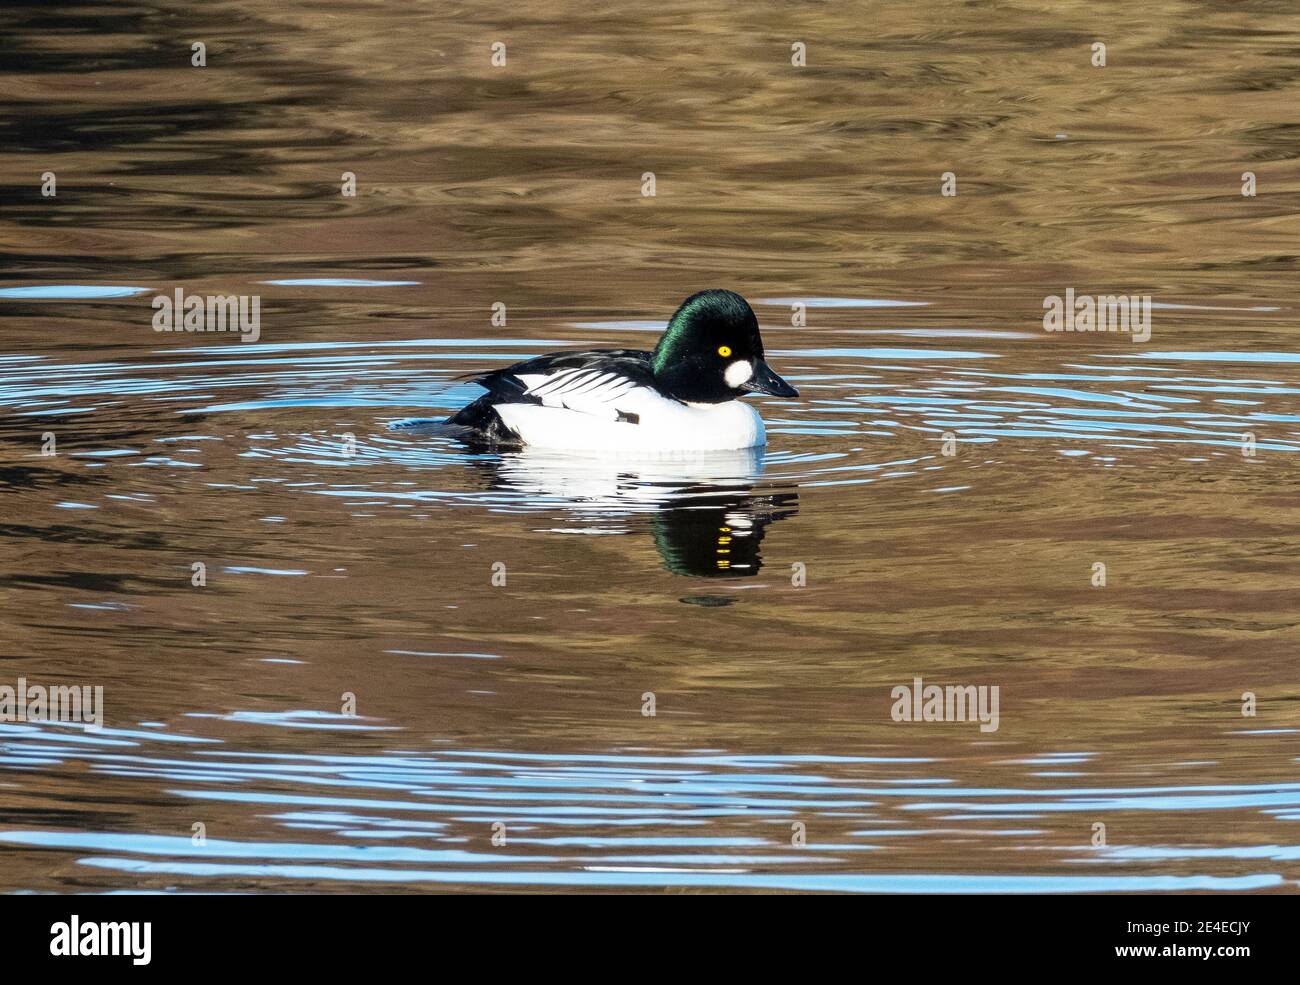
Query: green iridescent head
(711, 352)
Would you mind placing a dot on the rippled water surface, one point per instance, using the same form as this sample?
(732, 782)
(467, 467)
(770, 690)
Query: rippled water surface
(935, 505)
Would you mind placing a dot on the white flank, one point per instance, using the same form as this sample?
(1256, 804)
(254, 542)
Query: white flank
(660, 424)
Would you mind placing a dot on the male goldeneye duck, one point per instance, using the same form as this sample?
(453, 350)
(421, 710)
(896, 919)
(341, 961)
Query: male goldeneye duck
(681, 397)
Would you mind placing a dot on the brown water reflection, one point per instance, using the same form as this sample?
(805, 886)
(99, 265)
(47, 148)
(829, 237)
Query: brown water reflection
(371, 573)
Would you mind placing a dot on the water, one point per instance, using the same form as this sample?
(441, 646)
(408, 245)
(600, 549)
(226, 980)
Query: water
(766, 603)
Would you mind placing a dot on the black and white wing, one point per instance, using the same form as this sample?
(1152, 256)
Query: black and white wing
(591, 382)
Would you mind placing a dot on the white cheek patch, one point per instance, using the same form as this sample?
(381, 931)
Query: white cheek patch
(738, 372)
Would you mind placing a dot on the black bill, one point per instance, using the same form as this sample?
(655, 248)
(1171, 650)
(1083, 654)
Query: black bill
(765, 381)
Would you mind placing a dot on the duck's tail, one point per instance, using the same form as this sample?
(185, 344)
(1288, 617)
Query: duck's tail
(477, 424)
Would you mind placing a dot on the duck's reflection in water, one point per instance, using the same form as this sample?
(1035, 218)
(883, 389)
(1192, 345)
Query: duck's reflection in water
(720, 538)
(705, 517)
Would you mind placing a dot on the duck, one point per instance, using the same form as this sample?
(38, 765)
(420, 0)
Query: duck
(684, 396)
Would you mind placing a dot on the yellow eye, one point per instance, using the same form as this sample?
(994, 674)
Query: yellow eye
(724, 350)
